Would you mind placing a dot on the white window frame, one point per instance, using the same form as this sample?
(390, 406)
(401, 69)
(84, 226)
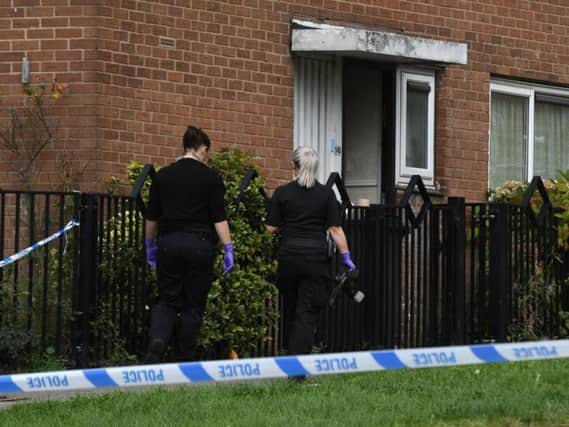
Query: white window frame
(528, 90)
(521, 91)
(402, 171)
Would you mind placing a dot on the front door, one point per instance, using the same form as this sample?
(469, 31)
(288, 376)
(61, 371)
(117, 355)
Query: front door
(345, 109)
(362, 130)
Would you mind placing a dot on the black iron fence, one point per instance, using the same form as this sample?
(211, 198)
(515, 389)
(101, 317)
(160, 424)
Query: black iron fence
(83, 296)
(37, 293)
(411, 270)
(433, 274)
(517, 271)
(454, 273)
(114, 293)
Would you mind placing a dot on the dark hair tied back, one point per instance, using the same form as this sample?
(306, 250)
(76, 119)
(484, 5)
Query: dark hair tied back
(194, 138)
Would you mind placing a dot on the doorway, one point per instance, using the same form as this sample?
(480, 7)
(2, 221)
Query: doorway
(345, 109)
(367, 125)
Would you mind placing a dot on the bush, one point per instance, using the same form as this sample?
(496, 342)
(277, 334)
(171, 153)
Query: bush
(121, 295)
(15, 345)
(20, 350)
(558, 192)
(31, 310)
(241, 306)
(535, 298)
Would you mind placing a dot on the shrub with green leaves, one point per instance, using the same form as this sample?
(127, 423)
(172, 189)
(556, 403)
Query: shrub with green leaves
(558, 192)
(121, 295)
(22, 317)
(241, 310)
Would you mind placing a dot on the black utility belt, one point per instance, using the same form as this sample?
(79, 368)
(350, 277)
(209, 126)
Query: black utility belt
(304, 242)
(206, 233)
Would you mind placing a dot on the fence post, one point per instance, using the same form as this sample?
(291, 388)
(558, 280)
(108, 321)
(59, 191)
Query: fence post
(456, 261)
(500, 270)
(86, 290)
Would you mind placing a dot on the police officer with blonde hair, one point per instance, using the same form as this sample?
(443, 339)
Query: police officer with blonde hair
(303, 212)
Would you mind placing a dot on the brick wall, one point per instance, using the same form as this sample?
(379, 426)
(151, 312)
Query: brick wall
(230, 72)
(59, 38)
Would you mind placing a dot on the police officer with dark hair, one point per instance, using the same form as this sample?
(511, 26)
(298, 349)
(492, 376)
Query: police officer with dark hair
(185, 211)
(303, 211)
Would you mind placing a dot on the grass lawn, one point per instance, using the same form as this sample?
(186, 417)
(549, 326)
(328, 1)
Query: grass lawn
(513, 394)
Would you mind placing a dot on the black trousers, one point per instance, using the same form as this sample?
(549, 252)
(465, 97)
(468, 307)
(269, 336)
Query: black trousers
(185, 275)
(303, 278)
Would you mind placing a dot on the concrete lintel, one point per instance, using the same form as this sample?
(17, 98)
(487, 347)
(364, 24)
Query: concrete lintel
(363, 42)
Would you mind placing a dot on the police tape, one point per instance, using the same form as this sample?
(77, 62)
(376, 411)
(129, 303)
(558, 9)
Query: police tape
(29, 249)
(281, 367)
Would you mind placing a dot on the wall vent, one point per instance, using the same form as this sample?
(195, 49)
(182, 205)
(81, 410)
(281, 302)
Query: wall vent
(167, 42)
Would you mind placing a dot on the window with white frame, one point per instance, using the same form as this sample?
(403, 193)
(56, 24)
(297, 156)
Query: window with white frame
(529, 131)
(415, 125)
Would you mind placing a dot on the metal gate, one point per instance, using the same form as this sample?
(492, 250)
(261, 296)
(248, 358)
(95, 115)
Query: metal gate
(411, 260)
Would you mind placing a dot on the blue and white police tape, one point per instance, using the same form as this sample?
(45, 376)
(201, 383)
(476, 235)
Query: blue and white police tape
(281, 367)
(39, 244)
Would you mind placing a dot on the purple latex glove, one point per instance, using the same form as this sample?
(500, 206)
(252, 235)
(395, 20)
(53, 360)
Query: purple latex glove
(151, 252)
(347, 261)
(228, 262)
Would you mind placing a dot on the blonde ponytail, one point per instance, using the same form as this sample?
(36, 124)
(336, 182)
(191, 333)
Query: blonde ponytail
(305, 162)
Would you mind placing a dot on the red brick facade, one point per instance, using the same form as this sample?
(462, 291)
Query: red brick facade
(231, 73)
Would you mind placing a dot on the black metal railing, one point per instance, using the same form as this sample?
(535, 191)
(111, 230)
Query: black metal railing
(411, 271)
(433, 274)
(80, 297)
(114, 291)
(37, 293)
(516, 269)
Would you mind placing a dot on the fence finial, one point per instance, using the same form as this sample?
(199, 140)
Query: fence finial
(415, 181)
(147, 171)
(536, 184)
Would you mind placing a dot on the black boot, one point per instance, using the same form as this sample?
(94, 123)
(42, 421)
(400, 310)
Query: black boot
(155, 351)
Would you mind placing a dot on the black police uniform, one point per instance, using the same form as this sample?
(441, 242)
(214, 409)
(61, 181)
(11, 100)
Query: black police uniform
(303, 215)
(186, 198)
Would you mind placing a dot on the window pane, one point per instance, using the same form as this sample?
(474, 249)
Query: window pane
(508, 143)
(417, 127)
(551, 140)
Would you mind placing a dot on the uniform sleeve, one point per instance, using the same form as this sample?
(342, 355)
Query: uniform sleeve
(275, 215)
(333, 207)
(217, 201)
(153, 210)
